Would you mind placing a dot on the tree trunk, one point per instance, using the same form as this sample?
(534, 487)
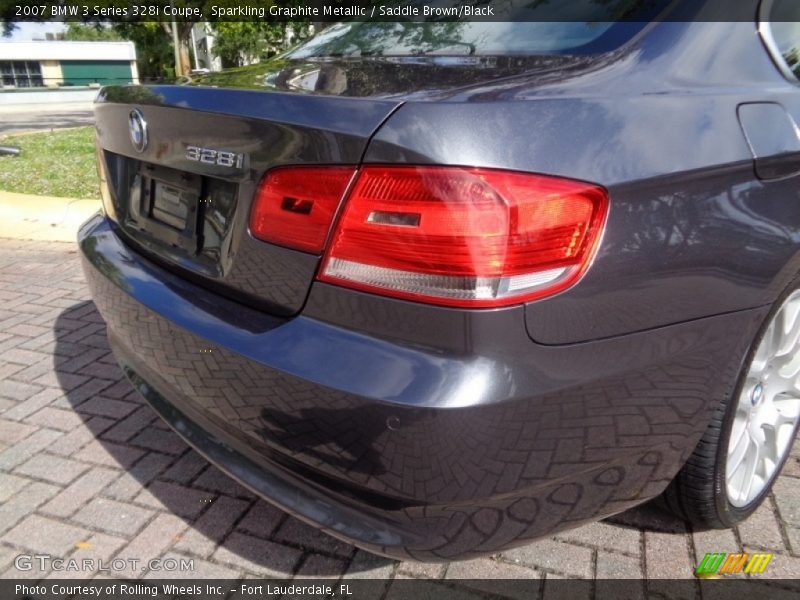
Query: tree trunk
(185, 62)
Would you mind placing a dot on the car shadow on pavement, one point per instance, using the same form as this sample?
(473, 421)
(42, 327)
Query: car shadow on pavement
(649, 517)
(156, 471)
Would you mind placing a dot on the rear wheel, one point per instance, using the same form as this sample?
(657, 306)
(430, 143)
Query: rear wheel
(741, 453)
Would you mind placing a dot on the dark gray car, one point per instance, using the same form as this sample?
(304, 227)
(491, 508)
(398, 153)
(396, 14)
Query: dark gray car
(441, 289)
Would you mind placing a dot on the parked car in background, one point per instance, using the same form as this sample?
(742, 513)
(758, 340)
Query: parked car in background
(440, 289)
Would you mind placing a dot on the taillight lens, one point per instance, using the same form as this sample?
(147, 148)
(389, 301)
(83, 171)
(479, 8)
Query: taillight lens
(463, 236)
(294, 206)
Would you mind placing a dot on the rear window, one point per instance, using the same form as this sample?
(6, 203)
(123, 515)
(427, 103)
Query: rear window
(575, 27)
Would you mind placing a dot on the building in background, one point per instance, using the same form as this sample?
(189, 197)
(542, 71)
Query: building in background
(205, 59)
(59, 64)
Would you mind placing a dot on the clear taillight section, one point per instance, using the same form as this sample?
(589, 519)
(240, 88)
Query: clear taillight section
(462, 236)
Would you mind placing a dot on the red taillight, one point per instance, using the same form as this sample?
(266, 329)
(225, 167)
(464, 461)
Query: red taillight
(462, 236)
(294, 206)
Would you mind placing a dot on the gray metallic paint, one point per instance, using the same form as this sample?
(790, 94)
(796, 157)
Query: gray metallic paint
(428, 453)
(432, 433)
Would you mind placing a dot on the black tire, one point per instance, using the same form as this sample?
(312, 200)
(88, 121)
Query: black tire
(698, 494)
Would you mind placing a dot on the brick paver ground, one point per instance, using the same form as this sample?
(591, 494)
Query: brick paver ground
(87, 470)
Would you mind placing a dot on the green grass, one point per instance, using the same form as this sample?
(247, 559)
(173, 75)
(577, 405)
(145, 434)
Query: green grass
(55, 163)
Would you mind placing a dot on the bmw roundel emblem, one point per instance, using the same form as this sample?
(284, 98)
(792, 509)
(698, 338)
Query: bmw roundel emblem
(137, 127)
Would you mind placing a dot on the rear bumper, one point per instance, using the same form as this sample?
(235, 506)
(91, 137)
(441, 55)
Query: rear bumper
(405, 450)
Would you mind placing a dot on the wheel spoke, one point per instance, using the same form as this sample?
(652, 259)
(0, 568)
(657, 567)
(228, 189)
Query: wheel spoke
(749, 473)
(779, 334)
(788, 408)
(787, 367)
(742, 413)
(738, 431)
(764, 352)
(767, 415)
(739, 452)
(770, 452)
(784, 437)
(791, 329)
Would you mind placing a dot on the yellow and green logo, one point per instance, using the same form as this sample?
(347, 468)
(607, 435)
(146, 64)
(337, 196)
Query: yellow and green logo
(715, 564)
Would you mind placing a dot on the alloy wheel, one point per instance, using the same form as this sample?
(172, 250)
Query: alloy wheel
(767, 409)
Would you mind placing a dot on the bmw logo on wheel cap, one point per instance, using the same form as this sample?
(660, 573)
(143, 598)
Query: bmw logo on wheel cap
(137, 127)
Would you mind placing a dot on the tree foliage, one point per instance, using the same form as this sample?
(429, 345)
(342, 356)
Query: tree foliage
(90, 32)
(239, 43)
(154, 55)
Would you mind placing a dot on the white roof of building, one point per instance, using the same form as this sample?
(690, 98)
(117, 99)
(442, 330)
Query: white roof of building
(46, 50)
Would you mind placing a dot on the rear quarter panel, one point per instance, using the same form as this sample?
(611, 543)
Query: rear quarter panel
(692, 231)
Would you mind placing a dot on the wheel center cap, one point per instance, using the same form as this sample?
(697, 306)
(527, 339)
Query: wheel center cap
(757, 394)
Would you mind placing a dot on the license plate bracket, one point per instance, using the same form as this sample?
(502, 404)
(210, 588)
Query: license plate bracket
(165, 204)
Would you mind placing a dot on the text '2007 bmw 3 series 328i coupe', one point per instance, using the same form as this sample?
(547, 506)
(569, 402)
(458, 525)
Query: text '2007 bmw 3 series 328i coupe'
(440, 289)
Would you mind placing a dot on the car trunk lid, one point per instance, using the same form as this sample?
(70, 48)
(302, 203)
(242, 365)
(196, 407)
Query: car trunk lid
(183, 198)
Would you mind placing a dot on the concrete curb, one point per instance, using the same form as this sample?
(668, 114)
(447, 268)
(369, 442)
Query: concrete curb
(50, 108)
(46, 218)
(16, 134)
